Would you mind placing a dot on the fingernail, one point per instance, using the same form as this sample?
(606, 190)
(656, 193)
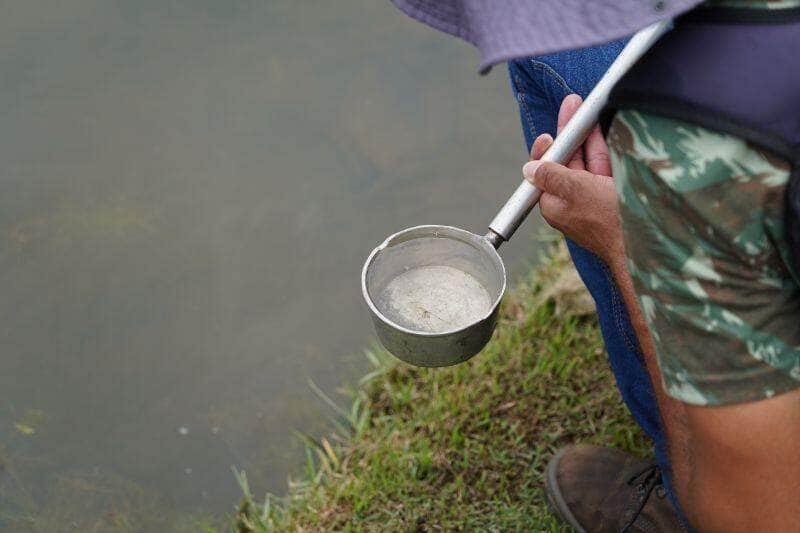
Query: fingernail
(529, 170)
(575, 97)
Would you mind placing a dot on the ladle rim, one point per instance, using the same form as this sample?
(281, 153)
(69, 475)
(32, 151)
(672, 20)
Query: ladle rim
(382, 246)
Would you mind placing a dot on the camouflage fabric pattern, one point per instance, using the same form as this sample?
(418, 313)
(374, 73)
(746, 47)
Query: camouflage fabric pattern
(703, 219)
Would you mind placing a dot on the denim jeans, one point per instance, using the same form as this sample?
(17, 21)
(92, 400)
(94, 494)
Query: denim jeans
(540, 84)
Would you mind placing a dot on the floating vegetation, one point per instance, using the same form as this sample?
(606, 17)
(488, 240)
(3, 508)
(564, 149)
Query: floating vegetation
(30, 422)
(24, 428)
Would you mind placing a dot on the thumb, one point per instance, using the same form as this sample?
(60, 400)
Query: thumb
(554, 179)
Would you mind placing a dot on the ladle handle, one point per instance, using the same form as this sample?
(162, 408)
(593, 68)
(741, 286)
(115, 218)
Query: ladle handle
(526, 196)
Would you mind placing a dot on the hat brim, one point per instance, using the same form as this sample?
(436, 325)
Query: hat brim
(519, 28)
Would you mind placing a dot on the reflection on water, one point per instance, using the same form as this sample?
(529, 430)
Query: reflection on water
(188, 192)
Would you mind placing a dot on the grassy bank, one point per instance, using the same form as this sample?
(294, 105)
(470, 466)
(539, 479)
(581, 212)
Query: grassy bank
(463, 448)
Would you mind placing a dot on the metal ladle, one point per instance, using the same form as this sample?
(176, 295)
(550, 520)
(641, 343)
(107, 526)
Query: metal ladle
(434, 291)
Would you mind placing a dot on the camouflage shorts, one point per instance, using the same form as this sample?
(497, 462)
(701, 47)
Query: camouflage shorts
(703, 218)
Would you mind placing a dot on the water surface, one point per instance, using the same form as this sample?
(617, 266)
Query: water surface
(188, 192)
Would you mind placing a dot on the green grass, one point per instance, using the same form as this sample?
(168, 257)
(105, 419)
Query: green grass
(465, 447)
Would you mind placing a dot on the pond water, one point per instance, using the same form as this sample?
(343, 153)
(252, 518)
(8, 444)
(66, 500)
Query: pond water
(188, 192)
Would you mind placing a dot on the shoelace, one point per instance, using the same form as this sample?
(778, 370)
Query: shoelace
(647, 479)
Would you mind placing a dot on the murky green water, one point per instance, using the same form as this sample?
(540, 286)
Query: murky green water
(188, 192)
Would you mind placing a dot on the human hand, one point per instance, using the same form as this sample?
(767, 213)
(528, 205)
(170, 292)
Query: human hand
(579, 199)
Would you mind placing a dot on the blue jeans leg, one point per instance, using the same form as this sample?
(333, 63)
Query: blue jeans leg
(540, 84)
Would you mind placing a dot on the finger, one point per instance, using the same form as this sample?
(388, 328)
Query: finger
(554, 211)
(556, 179)
(540, 146)
(569, 106)
(596, 153)
(568, 109)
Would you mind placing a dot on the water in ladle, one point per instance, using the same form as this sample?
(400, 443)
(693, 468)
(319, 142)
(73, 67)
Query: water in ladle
(434, 299)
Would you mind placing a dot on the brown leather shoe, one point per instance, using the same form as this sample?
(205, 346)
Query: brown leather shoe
(603, 490)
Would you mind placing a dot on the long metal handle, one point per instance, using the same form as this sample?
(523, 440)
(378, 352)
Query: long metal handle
(526, 196)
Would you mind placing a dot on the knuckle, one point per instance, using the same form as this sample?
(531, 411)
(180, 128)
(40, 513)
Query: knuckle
(545, 176)
(550, 220)
(549, 206)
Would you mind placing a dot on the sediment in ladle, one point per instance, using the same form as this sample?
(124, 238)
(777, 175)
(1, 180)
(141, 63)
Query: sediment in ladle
(434, 299)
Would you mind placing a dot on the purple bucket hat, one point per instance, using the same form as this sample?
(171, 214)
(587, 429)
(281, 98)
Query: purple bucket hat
(506, 29)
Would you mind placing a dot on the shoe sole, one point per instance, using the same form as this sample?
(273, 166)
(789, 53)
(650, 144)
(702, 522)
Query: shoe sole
(554, 497)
